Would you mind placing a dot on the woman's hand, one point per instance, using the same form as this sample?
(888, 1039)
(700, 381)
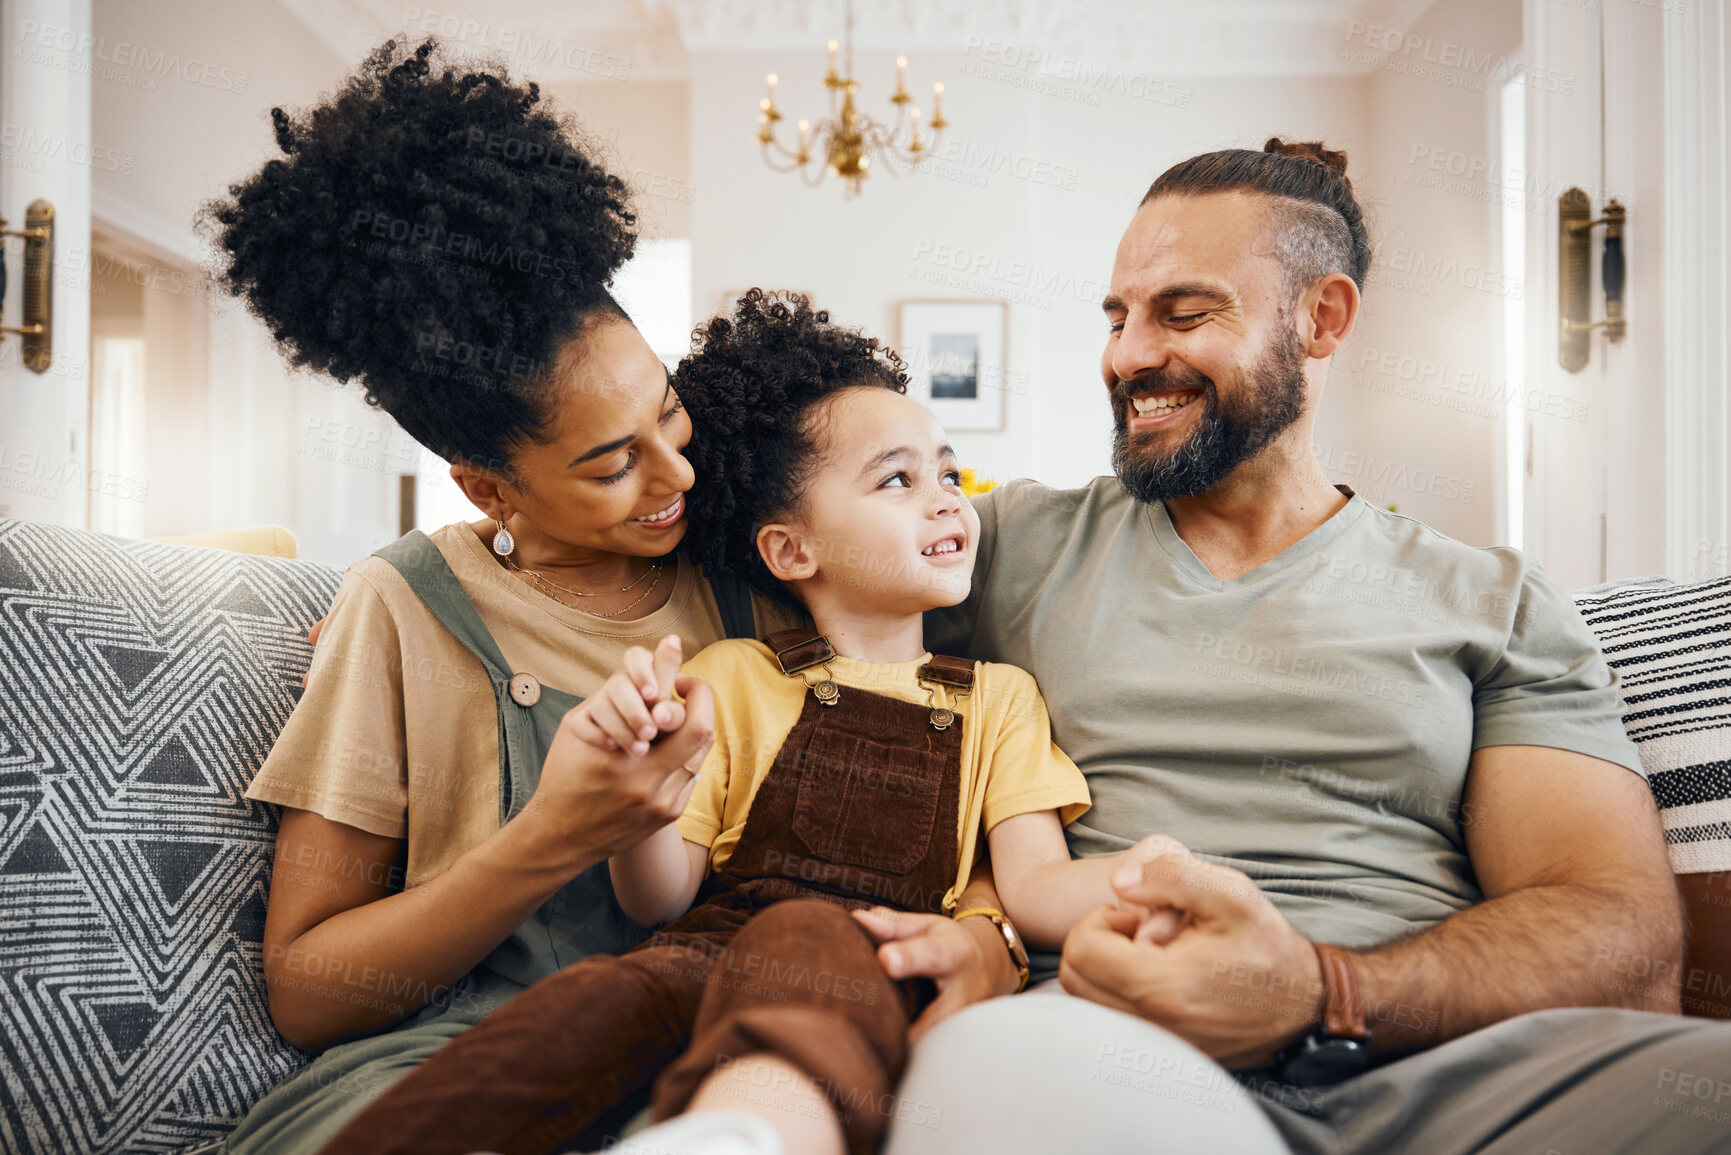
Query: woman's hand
(967, 959)
(313, 633)
(593, 802)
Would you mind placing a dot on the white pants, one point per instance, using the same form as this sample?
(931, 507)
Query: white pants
(1046, 1072)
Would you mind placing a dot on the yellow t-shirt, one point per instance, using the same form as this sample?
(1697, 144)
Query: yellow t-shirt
(1010, 765)
(398, 732)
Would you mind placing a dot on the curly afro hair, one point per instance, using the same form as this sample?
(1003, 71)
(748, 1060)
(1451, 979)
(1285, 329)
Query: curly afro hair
(432, 233)
(751, 384)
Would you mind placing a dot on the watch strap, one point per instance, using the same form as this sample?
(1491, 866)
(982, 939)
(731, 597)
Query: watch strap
(1012, 940)
(1343, 1004)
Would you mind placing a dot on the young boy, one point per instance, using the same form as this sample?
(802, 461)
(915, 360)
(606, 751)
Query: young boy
(850, 769)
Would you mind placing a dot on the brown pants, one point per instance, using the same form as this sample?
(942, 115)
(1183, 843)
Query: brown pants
(800, 981)
(857, 808)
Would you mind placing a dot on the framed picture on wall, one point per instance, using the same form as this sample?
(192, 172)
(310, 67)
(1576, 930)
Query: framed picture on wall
(954, 351)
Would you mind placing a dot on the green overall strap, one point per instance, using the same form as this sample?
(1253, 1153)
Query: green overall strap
(526, 730)
(428, 573)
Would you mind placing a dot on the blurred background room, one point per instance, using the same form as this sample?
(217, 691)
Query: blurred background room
(165, 410)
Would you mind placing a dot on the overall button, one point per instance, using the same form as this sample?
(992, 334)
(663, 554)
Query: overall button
(525, 690)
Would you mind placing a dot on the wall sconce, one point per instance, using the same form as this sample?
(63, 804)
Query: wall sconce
(37, 331)
(1574, 252)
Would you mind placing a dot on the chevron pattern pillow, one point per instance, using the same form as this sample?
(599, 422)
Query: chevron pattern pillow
(141, 686)
(1671, 647)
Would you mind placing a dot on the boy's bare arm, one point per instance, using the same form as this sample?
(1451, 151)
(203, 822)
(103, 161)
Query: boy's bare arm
(656, 880)
(1045, 890)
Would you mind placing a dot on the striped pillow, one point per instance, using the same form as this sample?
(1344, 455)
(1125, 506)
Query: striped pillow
(140, 687)
(1671, 647)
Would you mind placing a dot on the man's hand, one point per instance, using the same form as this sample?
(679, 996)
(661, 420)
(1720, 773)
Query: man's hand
(1160, 925)
(1238, 981)
(968, 964)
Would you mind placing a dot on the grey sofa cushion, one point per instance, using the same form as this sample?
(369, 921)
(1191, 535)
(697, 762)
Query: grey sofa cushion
(140, 687)
(1671, 647)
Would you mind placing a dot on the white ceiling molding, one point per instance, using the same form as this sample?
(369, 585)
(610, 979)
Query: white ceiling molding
(1221, 38)
(552, 41)
(562, 42)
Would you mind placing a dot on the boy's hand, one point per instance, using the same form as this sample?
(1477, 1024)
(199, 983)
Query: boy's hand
(638, 703)
(1156, 926)
(945, 951)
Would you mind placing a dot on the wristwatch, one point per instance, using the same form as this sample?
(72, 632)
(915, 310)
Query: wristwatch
(1012, 940)
(1339, 1046)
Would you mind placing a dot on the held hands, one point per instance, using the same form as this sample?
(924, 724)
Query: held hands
(624, 761)
(1155, 925)
(1237, 980)
(636, 704)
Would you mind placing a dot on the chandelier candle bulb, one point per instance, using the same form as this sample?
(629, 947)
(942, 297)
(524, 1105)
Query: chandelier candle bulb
(849, 139)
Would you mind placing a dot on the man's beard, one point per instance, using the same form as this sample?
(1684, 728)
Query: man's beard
(1270, 400)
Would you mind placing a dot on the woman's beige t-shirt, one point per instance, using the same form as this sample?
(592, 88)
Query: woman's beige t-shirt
(398, 732)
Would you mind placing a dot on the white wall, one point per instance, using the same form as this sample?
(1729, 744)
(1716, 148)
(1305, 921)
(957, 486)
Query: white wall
(1417, 392)
(233, 438)
(642, 130)
(1025, 202)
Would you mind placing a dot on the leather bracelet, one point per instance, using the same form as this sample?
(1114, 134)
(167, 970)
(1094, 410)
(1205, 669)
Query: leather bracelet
(1343, 1005)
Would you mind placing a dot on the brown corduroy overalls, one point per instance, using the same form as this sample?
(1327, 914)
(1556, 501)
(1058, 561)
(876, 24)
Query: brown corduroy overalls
(861, 807)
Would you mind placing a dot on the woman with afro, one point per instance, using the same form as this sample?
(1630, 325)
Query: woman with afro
(434, 233)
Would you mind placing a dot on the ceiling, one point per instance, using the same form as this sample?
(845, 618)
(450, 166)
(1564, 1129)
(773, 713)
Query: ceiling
(654, 39)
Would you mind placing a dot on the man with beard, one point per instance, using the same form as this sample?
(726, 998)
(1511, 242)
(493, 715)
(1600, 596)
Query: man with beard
(1426, 904)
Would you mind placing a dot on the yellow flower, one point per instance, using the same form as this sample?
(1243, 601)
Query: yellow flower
(973, 486)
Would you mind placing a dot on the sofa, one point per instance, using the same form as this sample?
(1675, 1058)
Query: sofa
(141, 685)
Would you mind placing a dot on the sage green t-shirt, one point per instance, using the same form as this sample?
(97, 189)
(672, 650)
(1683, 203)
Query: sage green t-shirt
(1308, 723)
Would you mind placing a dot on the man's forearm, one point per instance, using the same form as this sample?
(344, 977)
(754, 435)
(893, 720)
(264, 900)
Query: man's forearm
(1563, 945)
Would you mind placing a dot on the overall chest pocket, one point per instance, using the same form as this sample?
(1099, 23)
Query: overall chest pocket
(867, 804)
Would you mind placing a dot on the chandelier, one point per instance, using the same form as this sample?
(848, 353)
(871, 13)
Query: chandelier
(846, 142)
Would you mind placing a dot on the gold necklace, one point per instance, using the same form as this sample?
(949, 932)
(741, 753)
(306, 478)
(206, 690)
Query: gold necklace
(510, 561)
(552, 588)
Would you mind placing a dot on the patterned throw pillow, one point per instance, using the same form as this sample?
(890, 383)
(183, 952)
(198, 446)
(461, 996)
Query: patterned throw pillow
(140, 687)
(1671, 646)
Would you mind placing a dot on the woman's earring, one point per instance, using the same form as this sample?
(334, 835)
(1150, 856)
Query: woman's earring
(503, 542)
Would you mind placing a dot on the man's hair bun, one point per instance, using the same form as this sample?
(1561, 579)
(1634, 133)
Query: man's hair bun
(1318, 224)
(1308, 150)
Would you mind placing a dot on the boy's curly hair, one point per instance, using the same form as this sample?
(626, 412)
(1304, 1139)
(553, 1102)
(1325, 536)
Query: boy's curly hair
(432, 233)
(752, 383)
